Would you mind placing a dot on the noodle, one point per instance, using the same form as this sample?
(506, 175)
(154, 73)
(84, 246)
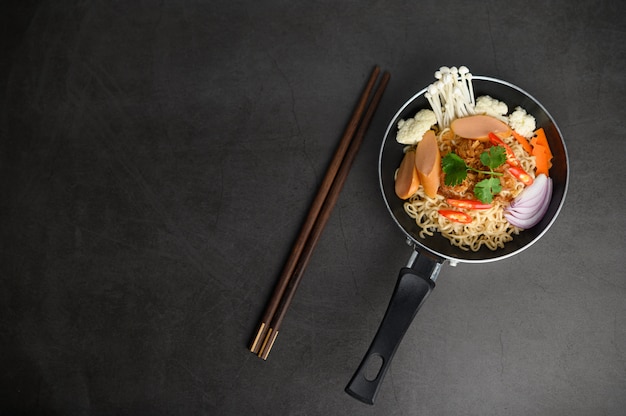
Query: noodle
(489, 227)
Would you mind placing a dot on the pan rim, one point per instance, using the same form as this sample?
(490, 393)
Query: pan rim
(417, 245)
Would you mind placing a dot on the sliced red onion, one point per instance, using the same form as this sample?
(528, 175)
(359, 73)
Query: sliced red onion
(522, 210)
(531, 205)
(531, 195)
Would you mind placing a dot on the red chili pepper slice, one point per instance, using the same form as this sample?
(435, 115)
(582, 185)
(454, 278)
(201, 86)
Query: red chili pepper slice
(510, 156)
(521, 175)
(456, 216)
(467, 203)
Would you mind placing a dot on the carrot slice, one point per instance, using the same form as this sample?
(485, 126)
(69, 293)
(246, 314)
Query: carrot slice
(542, 160)
(541, 139)
(428, 163)
(407, 179)
(523, 141)
(479, 126)
(541, 151)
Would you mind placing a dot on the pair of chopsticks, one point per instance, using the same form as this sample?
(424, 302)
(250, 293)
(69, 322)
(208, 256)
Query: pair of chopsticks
(318, 215)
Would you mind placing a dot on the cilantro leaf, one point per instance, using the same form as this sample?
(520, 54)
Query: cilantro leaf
(455, 169)
(486, 189)
(494, 157)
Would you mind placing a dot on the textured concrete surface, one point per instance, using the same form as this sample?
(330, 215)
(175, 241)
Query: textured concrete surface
(157, 159)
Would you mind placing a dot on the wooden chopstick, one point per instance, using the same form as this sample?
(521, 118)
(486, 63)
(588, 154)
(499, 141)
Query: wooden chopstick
(314, 211)
(320, 222)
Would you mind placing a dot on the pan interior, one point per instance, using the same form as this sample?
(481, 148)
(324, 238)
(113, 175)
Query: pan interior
(391, 155)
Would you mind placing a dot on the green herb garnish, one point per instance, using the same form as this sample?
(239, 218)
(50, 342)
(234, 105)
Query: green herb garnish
(456, 170)
(486, 189)
(494, 157)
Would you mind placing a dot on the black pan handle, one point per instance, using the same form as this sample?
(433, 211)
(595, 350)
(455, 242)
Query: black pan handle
(412, 288)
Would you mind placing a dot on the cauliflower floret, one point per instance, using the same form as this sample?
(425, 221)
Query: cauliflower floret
(522, 122)
(411, 130)
(491, 107)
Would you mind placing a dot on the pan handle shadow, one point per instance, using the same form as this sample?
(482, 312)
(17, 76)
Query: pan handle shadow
(414, 284)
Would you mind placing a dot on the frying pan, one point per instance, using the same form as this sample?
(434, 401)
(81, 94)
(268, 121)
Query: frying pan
(417, 280)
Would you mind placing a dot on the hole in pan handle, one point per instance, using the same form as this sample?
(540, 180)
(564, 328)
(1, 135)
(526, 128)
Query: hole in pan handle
(413, 286)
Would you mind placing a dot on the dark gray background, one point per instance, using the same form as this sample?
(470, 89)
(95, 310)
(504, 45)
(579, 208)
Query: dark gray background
(158, 158)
